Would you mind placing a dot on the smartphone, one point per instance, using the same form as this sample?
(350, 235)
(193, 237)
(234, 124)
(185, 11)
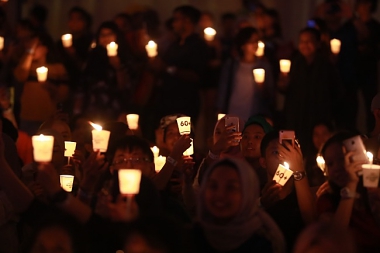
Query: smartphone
(232, 121)
(286, 136)
(356, 145)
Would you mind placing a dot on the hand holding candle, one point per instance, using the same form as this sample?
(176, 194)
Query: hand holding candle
(112, 49)
(42, 147)
(209, 34)
(100, 138)
(151, 49)
(259, 75)
(42, 73)
(67, 40)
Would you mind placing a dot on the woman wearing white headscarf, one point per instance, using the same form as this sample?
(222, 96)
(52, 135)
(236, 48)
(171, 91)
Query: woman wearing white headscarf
(228, 217)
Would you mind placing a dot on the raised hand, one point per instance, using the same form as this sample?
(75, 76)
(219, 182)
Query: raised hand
(227, 139)
(291, 155)
(183, 143)
(93, 169)
(270, 194)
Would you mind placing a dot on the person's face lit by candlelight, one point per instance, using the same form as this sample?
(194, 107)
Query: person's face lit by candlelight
(223, 194)
(133, 159)
(308, 44)
(250, 143)
(106, 36)
(250, 47)
(334, 159)
(271, 158)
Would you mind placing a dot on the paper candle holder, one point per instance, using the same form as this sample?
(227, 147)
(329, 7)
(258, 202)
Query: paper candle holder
(159, 162)
(184, 125)
(67, 40)
(282, 175)
(133, 121)
(66, 182)
(151, 49)
(112, 49)
(100, 138)
(260, 49)
(42, 73)
(209, 33)
(190, 150)
(285, 65)
(259, 75)
(221, 115)
(42, 147)
(70, 148)
(335, 46)
(371, 174)
(129, 181)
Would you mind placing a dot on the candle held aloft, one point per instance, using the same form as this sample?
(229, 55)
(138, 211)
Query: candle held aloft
(260, 49)
(100, 138)
(42, 73)
(285, 66)
(42, 147)
(184, 125)
(67, 40)
(259, 75)
(151, 49)
(221, 115)
(209, 34)
(190, 150)
(129, 181)
(112, 49)
(159, 162)
(133, 121)
(335, 46)
(66, 182)
(70, 148)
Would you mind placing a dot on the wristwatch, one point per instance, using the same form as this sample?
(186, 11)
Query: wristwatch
(346, 193)
(299, 175)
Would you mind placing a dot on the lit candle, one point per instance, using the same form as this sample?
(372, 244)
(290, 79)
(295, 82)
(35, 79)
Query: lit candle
(321, 163)
(42, 147)
(1, 43)
(209, 33)
(184, 125)
(259, 75)
(159, 162)
(221, 115)
(151, 48)
(67, 40)
(285, 66)
(133, 121)
(93, 44)
(370, 157)
(260, 49)
(155, 151)
(129, 181)
(283, 173)
(190, 150)
(66, 182)
(286, 165)
(335, 46)
(371, 174)
(112, 49)
(100, 138)
(70, 148)
(42, 73)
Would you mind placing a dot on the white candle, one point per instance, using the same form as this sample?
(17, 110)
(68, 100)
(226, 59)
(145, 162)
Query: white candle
(259, 75)
(159, 162)
(371, 174)
(190, 150)
(260, 49)
(151, 48)
(370, 157)
(335, 46)
(321, 163)
(283, 174)
(42, 73)
(42, 147)
(155, 151)
(112, 49)
(100, 138)
(70, 148)
(133, 121)
(1, 43)
(66, 182)
(129, 181)
(67, 40)
(221, 115)
(285, 65)
(184, 125)
(209, 33)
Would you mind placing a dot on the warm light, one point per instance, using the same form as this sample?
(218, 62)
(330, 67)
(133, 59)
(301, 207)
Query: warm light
(66, 182)
(285, 65)
(96, 126)
(184, 125)
(42, 73)
(321, 163)
(1, 43)
(159, 163)
(209, 33)
(151, 48)
(286, 165)
(112, 49)
(260, 49)
(221, 115)
(129, 181)
(100, 138)
(67, 40)
(133, 121)
(335, 46)
(42, 147)
(259, 75)
(370, 157)
(70, 148)
(190, 150)
(155, 151)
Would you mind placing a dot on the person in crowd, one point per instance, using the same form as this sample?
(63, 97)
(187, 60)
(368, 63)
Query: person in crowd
(346, 202)
(372, 142)
(239, 93)
(312, 81)
(291, 206)
(228, 218)
(228, 25)
(38, 15)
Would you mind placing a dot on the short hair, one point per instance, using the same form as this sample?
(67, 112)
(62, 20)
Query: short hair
(315, 32)
(338, 137)
(189, 11)
(131, 142)
(39, 12)
(243, 36)
(268, 138)
(85, 15)
(228, 16)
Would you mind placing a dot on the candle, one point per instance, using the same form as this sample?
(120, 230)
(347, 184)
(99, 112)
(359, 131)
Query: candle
(70, 148)
(221, 115)
(129, 181)
(335, 46)
(371, 174)
(259, 75)
(260, 49)
(1, 43)
(370, 157)
(93, 44)
(112, 49)
(133, 121)
(100, 138)
(155, 151)
(151, 48)
(42, 147)
(283, 173)
(66, 182)
(159, 162)
(184, 125)
(285, 66)
(321, 163)
(42, 73)
(190, 150)
(67, 40)
(209, 33)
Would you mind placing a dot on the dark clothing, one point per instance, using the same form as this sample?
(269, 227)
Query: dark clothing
(256, 243)
(287, 215)
(180, 95)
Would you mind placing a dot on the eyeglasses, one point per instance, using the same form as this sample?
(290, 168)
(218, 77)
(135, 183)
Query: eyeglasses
(133, 160)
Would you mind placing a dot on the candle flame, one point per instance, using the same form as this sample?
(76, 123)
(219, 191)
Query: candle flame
(370, 156)
(320, 160)
(112, 44)
(96, 126)
(151, 43)
(286, 165)
(67, 36)
(209, 31)
(261, 44)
